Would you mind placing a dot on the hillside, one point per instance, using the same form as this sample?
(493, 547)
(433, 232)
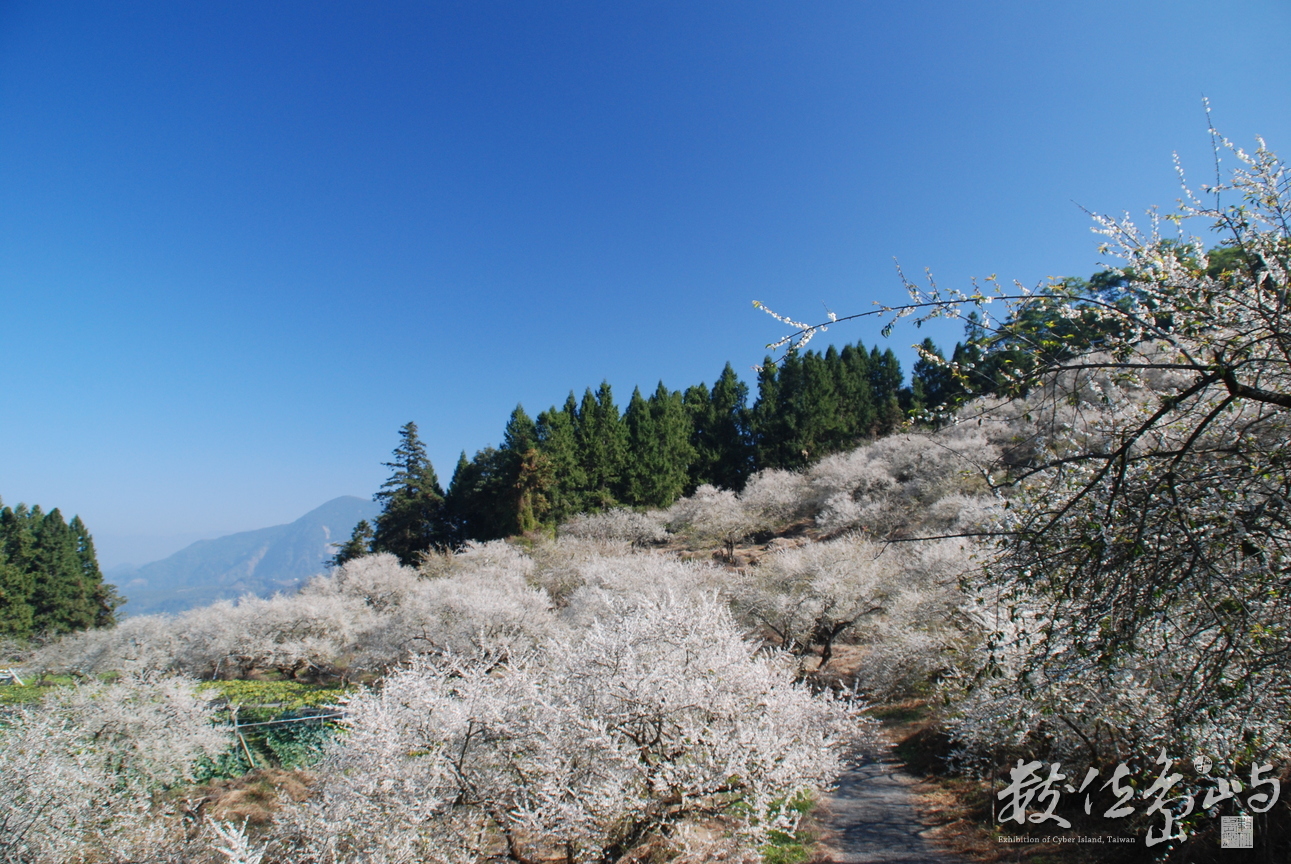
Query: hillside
(257, 562)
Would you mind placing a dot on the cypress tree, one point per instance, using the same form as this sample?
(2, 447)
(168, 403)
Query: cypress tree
(698, 403)
(50, 580)
(480, 503)
(62, 600)
(558, 443)
(359, 544)
(931, 384)
(790, 447)
(106, 598)
(660, 452)
(638, 482)
(533, 485)
(819, 427)
(16, 587)
(17, 579)
(412, 516)
(729, 433)
(885, 381)
(855, 394)
(766, 421)
(602, 443)
(673, 449)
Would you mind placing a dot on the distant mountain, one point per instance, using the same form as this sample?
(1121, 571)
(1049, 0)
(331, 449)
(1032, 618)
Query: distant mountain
(260, 562)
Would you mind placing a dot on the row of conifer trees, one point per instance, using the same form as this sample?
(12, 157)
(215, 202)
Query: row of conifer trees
(50, 581)
(589, 455)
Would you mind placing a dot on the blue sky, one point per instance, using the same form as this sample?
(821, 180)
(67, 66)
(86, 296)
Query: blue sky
(242, 243)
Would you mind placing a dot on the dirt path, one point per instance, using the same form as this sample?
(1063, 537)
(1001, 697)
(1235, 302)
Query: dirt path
(871, 819)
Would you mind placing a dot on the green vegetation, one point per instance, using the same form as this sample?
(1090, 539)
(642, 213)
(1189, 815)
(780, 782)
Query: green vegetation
(280, 724)
(32, 691)
(50, 581)
(588, 455)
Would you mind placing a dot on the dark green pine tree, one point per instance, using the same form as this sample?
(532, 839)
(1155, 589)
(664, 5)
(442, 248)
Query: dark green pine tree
(932, 384)
(558, 444)
(17, 579)
(729, 433)
(62, 601)
(637, 485)
(480, 502)
(721, 438)
(790, 447)
(603, 444)
(457, 503)
(50, 580)
(657, 470)
(766, 423)
(819, 425)
(672, 448)
(359, 544)
(18, 527)
(16, 588)
(106, 598)
(855, 394)
(885, 381)
(698, 403)
(412, 515)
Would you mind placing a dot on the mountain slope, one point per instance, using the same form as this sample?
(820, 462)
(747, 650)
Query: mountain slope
(252, 562)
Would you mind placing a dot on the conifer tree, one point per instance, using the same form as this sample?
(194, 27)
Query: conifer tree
(602, 443)
(412, 515)
(659, 449)
(106, 598)
(50, 580)
(17, 580)
(783, 445)
(766, 422)
(16, 587)
(698, 403)
(885, 382)
(673, 449)
(62, 601)
(359, 544)
(729, 433)
(932, 384)
(819, 428)
(558, 443)
(481, 501)
(637, 483)
(855, 394)
(721, 438)
(533, 484)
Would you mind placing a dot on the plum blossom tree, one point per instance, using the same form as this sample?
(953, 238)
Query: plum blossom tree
(604, 746)
(1146, 542)
(78, 774)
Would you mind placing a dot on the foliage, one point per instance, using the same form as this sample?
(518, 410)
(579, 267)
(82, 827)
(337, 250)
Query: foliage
(359, 544)
(411, 519)
(1139, 593)
(587, 456)
(50, 581)
(78, 773)
(594, 749)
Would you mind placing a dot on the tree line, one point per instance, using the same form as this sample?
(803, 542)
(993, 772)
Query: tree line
(589, 455)
(50, 581)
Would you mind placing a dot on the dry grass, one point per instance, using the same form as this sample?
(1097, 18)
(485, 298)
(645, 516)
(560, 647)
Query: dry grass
(251, 798)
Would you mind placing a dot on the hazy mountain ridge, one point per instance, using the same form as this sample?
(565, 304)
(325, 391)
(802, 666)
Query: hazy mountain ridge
(259, 562)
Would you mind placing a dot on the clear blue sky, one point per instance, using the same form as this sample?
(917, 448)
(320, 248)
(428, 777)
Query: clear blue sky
(242, 243)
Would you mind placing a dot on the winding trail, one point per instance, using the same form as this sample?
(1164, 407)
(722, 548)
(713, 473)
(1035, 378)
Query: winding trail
(871, 818)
